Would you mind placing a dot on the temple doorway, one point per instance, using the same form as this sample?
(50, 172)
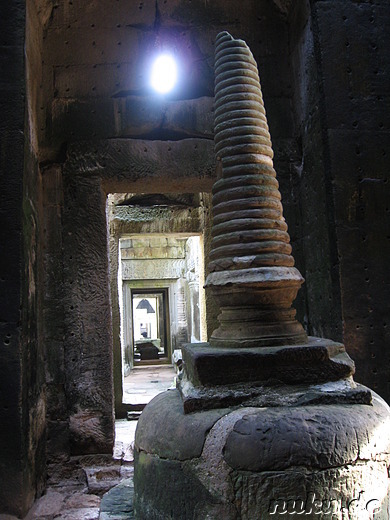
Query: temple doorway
(161, 287)
(146, 324)
(157, 245)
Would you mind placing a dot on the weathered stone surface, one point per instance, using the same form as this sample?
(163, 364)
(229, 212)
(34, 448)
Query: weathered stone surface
(271, 393)
(135, 162)
(87, 319)
(155, 480)
(212, 470)
(317, 361)
(250, 249)
(82, 500)
(69, 477)
(47, 506)
(22, 402)
(88, 513)
(344, 191)
(58, 439)
(354, 492)
(101, 479)
(317, 437)
(117, 504)
(88, 432)
(131, 116)
(314, 460)
(184, 435)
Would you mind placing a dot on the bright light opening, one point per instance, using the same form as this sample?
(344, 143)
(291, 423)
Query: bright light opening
(164, 74)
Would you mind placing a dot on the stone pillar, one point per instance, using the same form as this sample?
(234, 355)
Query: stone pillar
(251, 269)
(265, 421)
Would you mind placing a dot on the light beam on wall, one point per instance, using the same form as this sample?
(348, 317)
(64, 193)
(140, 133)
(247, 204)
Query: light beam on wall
(164, 74)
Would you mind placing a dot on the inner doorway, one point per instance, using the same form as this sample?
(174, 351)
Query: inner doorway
(161, 280)
(150, 320)
(157, 244)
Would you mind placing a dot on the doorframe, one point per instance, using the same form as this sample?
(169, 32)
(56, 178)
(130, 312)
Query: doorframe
(128, 330)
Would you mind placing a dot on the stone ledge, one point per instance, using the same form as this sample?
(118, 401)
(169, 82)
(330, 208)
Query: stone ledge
(346, 391)
(318, 361)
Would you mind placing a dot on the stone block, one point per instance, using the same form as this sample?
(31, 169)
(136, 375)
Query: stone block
(279, 438)
(142, 253)
(95, 80)
(101, 479)
(129, 116)
(55, 368)
(157, 242)
(69, 477)
(158, 252)
(89, 432)
(129, 253)
(160, 438)
(194, 117)
(89, 513)
(88, 16)
(118, 502)
(141, 242)
(126, 244)
(56, 401)
(279, 114)
(153, 269)
(266, 462)
(74, 119)
(82, 500)
(85, 47)
(49, 505)
(154, 484)
(173, 242)
(188, 162)
(322, 360)
(57, 441)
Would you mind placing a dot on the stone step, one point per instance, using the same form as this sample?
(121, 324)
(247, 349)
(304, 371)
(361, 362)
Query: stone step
(117, 504)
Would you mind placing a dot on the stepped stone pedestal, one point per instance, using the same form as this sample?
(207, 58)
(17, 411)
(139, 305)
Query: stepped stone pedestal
(265, 423)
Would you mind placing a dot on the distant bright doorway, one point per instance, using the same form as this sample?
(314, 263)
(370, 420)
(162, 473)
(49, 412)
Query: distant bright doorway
(150, 321)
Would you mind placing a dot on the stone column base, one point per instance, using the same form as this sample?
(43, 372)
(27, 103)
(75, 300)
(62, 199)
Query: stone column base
(318, 370)
(328, 461)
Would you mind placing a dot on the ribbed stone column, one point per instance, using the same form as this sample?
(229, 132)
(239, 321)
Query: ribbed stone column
(266, 423)
(252, 273)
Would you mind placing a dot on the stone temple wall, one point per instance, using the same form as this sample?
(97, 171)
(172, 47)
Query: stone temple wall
(22, 378)
(341, 99)
(92, 127)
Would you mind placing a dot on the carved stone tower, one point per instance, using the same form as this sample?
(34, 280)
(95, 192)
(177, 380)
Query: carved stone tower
(252, 273)
(265, 421)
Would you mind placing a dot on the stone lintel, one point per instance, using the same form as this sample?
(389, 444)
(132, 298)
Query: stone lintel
(141, 165)
(318, 361)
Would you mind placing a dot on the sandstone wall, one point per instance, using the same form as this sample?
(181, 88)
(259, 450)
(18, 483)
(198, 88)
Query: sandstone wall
(93, 127)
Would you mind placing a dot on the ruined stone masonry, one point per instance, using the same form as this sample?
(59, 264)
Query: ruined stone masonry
(265, 421)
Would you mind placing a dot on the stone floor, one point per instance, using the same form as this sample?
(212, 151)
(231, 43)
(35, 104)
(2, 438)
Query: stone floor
(145, 382)
(91, 487)
(100, 487)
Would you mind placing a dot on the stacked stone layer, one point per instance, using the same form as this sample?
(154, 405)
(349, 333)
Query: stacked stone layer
(248, 214)
(252, 271)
